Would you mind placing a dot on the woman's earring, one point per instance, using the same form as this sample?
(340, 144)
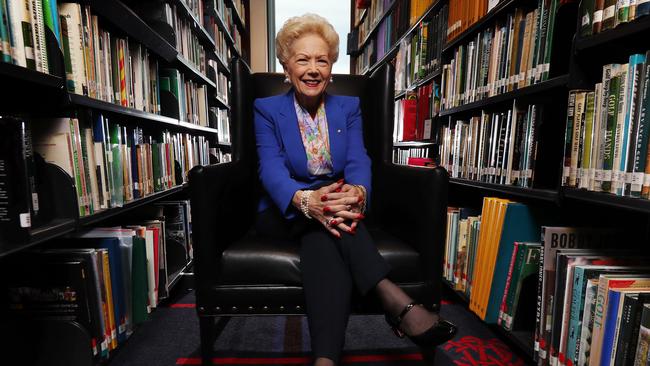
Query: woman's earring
(331, 79)
(286, 80)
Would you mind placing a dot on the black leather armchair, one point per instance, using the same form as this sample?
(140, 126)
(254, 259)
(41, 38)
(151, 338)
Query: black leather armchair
(238, 274)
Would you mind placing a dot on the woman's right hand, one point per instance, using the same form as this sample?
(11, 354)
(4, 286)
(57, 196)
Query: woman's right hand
(317, 206)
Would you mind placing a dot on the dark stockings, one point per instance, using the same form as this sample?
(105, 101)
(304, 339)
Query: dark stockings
(416, 321)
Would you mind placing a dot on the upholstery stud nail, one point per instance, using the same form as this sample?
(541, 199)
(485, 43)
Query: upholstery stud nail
(298, 307)
(201, 309)
(265, 308)
(282, 308)
(250, 308)
(234, 308)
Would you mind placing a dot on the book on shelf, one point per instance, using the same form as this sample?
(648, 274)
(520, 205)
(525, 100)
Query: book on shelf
(463, 15)
(415, 156)
(606, 140)
(19, 203)
(107, 278)
(190, 98)
(29, 33)
(516, 309)
(601, 15)
(509, 55)
(643, 342)
(414, 114)
(479, 251)
(388, 26)
(498, 148)
(101, 65)
(225, 13)
(419, 53)
(112, 164)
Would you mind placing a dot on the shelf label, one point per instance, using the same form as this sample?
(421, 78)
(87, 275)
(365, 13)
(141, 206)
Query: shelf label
(598, 15)
(25, 219)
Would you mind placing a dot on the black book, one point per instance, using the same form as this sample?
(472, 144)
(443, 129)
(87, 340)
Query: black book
(18, 195)
(629, 328)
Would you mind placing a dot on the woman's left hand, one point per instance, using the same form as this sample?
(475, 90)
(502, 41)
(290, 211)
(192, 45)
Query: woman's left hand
(347, 206)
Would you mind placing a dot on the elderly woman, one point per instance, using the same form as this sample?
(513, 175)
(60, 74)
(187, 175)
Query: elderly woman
(316, 173)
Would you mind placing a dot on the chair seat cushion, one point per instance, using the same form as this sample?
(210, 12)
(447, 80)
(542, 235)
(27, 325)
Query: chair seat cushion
(255, 261)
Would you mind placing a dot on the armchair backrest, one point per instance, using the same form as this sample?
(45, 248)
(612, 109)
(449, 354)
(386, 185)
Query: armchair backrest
(376, 93)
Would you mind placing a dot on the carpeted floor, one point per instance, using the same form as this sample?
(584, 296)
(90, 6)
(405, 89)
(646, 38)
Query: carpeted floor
(171, 337)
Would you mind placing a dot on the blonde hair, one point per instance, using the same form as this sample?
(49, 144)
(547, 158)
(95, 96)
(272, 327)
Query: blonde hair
(297, 27)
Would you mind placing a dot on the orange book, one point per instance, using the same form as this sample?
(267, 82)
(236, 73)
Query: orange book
(486, 217)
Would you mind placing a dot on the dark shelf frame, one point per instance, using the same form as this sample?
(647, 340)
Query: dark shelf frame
(84, 101)
(111, 212)
(195, 127)
(123, 18)
(223, 65)
(623, 31)
(196, 24)
(364, 13)
(31, 76)
(535, 89)
(547, 195)
(375, 27)
(418, 83)
(221, 104)
(51, 230)
(190, 70)
(607, 199)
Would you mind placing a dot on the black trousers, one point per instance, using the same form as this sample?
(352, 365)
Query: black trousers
(331, 269)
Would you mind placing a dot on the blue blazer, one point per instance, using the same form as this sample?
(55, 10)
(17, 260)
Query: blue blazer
(282, 157)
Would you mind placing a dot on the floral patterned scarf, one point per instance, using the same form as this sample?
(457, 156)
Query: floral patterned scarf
(315, 138)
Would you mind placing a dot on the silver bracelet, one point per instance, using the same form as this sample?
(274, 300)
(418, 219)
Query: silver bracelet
(362, 205)
(304, 203)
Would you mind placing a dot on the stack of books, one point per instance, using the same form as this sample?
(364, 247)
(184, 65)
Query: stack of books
(494, 147)
(606, 140)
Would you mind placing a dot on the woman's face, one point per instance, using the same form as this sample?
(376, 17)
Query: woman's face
(309, 67)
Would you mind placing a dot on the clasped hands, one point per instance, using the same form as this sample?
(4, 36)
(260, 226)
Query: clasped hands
(337, 207)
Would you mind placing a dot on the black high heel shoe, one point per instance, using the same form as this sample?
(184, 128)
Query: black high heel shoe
(438, 334)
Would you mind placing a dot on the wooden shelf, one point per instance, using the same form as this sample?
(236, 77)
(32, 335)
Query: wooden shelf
(103, 215)
(223, 65)
(531, 193)
(393, 50)
(122, 17)
(503, 7)
(535, 89)
(31, 76)
(190, 70)
(622, 32)
(51, 230)
(607, 199)
(375, 27)
(196, 24)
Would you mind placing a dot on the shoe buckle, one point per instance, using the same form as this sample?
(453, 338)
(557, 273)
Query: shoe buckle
(398, 332)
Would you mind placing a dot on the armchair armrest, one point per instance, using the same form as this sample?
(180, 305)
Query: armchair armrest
(223, 200)
(411, 203)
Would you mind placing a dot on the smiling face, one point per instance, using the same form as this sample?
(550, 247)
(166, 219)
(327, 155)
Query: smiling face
(309, 69)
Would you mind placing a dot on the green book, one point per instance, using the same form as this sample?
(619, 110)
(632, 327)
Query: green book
(588, 133)
(641, 133)
(117, 193)
(529, 266)
(5, 38)
(139, 277)
(610, 129)
(586, 17)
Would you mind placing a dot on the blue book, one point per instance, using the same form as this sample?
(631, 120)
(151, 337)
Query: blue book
(117, 280)
(519, 224)
(609, 334)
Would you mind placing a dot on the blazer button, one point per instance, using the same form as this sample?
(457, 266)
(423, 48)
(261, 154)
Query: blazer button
(338, 131)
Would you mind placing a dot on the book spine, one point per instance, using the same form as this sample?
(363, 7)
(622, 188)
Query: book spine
(608, 150)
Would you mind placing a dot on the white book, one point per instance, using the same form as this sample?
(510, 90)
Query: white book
(70, 15)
